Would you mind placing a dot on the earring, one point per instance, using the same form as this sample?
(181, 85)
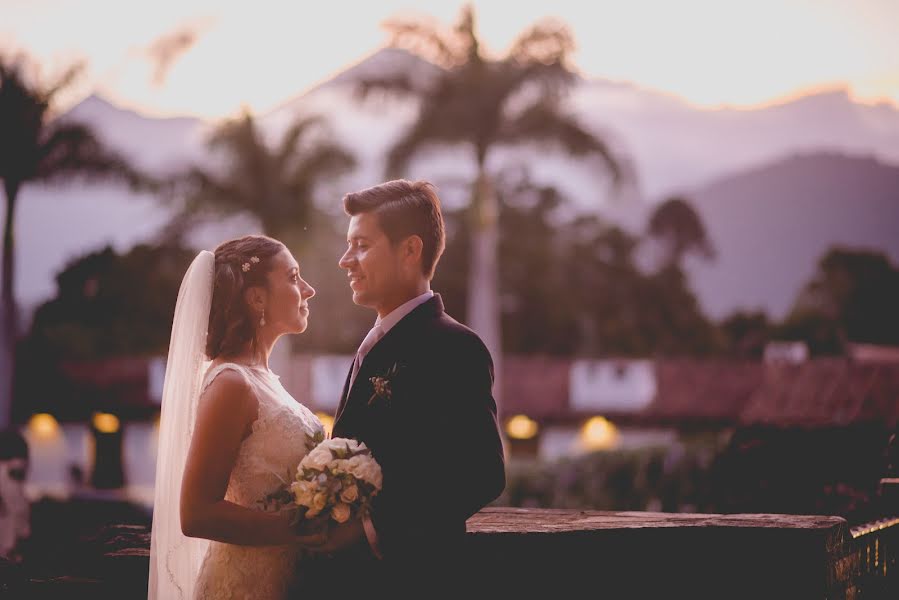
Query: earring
(262, 319)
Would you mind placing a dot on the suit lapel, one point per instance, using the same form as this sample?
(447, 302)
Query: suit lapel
(345, 393)
(385, 351)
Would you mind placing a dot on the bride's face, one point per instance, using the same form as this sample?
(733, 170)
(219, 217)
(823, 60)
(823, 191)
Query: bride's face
(287, 302)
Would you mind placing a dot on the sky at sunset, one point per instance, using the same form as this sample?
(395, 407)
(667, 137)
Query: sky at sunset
(211, 57)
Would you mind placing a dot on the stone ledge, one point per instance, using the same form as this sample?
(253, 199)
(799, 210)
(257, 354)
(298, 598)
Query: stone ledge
(512, 552)
(527, 520)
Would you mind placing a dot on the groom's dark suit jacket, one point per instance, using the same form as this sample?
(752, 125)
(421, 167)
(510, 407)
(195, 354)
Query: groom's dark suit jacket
(436, 437)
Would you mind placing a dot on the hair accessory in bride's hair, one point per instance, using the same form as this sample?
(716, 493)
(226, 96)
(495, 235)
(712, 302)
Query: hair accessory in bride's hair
(246, 266)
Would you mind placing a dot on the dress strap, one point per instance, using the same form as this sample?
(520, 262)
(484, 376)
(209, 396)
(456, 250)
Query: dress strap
(213, 372)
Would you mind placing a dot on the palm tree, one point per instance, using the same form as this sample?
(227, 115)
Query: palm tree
(35, 148)
(679, 228)
(487, 103)
(274, 185)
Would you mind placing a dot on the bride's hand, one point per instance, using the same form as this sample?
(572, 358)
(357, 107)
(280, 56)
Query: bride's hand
(304, 535)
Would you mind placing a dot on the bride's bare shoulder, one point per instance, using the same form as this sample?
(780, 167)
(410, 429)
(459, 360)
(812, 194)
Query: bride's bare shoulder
(227, 384)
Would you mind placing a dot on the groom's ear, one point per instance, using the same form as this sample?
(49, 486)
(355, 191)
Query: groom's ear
(411, 248)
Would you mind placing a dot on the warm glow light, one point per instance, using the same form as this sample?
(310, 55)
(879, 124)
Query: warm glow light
(712, 54)
(43, 425)
(106, 423)
(599, 434)
(327, 421)
(521, 427)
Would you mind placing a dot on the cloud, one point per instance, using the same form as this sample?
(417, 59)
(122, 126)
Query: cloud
(171, 46)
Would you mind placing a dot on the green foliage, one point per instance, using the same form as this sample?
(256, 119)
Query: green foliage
(468, 102)
(746, 333)
(679, 228)
(112, 305)
(659, 478)
(572, 287)
(852, 297)
(275, 185)
(34, 147)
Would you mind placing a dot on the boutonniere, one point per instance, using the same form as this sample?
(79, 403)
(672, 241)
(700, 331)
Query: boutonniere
(382, 385)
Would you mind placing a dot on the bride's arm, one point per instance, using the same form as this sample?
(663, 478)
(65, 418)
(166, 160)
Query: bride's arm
(225, 415)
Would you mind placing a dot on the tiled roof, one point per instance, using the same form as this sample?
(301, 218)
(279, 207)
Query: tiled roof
(817, 392)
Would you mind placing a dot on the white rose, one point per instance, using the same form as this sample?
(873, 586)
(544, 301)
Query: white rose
(340, 465)
(318, 459)
(350, 494)
(304, 491)
(355, 463)
(341, 512)
(344, 442)
(366, 469)
(372, 474)
(344, 445)
(319, 501)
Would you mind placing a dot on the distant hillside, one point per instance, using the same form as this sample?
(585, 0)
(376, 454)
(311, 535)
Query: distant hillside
(771, 224)
(674, 146)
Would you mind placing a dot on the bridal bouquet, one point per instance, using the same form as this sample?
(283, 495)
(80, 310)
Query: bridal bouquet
(335, 481)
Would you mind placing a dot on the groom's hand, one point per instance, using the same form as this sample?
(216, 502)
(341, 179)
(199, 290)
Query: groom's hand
(343, 536)
(311, 542)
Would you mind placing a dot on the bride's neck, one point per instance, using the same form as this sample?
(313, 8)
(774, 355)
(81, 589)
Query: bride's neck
(257, 354)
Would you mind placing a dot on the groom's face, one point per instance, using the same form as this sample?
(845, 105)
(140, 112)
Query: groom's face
(372, 264)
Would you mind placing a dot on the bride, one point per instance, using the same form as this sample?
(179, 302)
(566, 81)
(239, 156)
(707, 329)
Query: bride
(229, 432)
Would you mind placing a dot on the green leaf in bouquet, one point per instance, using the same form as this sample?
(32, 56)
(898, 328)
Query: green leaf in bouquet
(314, 440)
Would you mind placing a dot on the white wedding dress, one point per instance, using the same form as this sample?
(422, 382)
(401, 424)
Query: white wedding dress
(266, 458)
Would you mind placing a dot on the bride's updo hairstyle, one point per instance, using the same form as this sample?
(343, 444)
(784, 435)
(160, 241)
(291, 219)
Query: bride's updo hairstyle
(239, 264)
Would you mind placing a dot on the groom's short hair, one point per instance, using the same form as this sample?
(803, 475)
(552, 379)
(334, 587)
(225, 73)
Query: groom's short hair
(405, 208)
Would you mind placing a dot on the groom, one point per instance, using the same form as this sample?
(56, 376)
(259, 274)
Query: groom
(418, 395)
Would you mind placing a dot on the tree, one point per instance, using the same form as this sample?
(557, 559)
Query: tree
(571, 286)
(36, 148)
(484, 103)
(274, 185)
(679, 228)
(536, 317)
(852, 298)
(102, 308)
(746, 333)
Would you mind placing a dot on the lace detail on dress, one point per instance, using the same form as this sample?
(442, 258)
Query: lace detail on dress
(267, 457)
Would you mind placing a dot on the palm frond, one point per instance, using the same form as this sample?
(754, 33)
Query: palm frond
(425, 132)
(425, 38)
(544, 123)
(293, 136)
(72, 150)
(289, 144)
(540, 55)
(206, 192)
(22, 116)
(242, 141)
(323, 160)
(64, 80)
(548, 42)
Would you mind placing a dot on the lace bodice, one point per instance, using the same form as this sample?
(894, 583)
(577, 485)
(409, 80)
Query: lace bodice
(267, 457)
(278, 440)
